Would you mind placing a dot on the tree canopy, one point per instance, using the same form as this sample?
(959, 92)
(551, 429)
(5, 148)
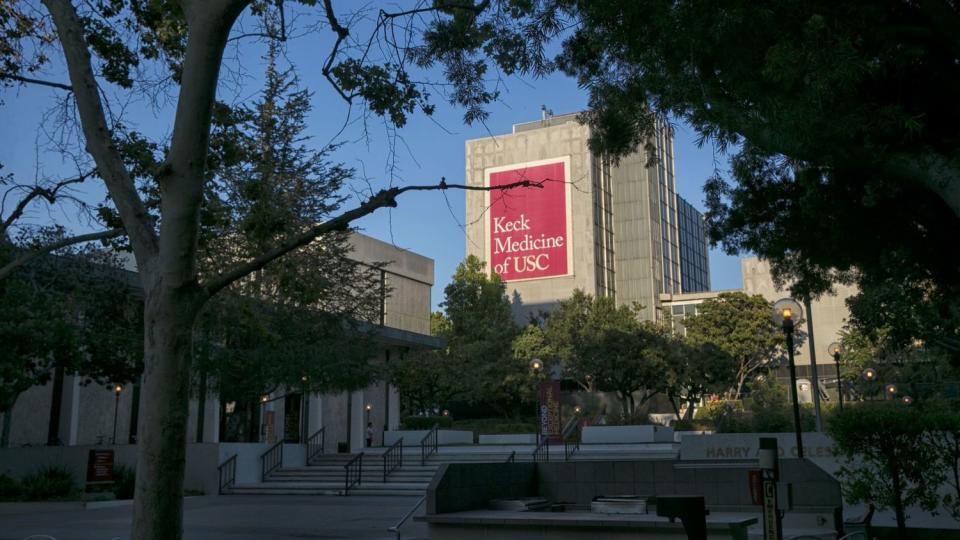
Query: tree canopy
(740, 326)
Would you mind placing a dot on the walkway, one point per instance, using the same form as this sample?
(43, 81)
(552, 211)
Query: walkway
(239, 517)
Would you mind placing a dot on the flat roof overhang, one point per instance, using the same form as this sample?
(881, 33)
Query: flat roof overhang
(394, 337)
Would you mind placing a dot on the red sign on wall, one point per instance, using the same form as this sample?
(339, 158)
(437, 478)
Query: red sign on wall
(548, 408)
(528, 229)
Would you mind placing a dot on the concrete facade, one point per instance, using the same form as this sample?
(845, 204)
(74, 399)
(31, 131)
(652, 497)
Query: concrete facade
(87, 411)
(623, 217)
(829, 311)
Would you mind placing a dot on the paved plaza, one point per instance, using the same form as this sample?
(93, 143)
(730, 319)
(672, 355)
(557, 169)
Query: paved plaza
(237, 517)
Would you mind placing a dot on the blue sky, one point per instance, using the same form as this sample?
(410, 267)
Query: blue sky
(421, 152)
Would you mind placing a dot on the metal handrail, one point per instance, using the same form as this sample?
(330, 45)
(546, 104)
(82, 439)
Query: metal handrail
(429, 439)
(227, 471)
(354, 467)
(571, 445)
(271, 460)
(392, 458)
(316, 443)
(512, 458)
(542, 451)
(396, 528)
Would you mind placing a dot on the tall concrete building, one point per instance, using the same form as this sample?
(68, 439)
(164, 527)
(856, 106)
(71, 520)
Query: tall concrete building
(611, 229)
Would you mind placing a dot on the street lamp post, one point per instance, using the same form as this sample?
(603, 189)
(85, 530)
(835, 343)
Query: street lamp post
(834, 350)
(116, 409)
(536, 366)
(870, 375)
(785, 312)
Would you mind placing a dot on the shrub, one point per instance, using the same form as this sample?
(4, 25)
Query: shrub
(50, 483)
(427, 422)
(693, 425)
(10, 489)
(891, 460)
(124, 480)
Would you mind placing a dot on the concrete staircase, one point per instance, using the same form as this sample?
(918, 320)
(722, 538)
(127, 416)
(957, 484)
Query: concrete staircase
(325, 476)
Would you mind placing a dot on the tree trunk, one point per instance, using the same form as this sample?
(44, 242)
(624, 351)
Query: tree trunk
(898, 502)
(7, 420)
(161, 452)
(688, 414)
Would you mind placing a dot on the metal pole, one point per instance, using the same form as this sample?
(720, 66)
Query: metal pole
(836, 359)
(116, 409)
(813, 366)
(788, 330)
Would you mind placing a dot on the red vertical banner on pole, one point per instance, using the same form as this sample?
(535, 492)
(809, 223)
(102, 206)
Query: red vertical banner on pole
(548, 398)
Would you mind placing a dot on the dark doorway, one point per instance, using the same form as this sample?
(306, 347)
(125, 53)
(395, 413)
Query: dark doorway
(292, 407)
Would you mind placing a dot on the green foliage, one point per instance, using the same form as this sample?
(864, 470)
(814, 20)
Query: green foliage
(768, 409)
(10, 489)
(608, 345)
(303, 322)
(426, 422)
(725, 416)
(740, 326)
(75, 309)
(124, 481)
(481, 336)
(891, 460)
(49, 483)
(918, 371)
(834, 169)
(693, 371)
(944, 434)
(428, 380)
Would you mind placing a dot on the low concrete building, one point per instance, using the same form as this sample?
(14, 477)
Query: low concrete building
(88, 412)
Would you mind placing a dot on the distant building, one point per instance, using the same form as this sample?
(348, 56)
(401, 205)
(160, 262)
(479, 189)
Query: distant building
(694, 251)
(829, 312)
(611, 229)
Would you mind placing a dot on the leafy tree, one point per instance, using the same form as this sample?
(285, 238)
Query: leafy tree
(128, 46)
(740, 326)
(293, 324)
(842, 138)
(71, 312)
(481, 335)
(944, 422)
(891, 460)
(530, 344)
(693, 371)
(613, 349)
(22, 242)
(917, 370)
(565, 329)
(903, 314)
(429, 380)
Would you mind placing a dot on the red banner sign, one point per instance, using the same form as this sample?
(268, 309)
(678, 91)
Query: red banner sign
(528, 229)
(99, 466)
(548, 407)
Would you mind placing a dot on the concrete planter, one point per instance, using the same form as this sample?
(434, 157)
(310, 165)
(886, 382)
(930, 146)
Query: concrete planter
(512, 438)
(626, 434)
(413, 437)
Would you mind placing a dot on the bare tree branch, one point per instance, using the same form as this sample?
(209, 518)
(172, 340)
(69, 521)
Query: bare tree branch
(342, 34)
(40, 82)
(383, 198)
(49, 193)
(99, 139)
(8, 269)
